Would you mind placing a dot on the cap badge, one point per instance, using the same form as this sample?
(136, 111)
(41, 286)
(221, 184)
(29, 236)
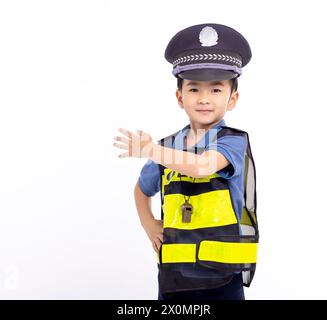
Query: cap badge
(208, 37)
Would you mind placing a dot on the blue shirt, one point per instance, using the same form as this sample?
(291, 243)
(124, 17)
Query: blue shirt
(232, 147)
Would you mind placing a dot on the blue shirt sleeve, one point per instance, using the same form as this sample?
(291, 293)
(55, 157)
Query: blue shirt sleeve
(149, 179)
(233, 148)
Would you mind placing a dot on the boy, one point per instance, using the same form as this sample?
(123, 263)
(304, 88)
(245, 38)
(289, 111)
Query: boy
(207, 237)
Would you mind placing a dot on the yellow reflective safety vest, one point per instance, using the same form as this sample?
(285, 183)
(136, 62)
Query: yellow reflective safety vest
(207, 251)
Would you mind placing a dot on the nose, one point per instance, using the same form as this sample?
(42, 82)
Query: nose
(202, 98)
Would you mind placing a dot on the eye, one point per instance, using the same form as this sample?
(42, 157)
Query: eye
(217, 90)
(193, 89)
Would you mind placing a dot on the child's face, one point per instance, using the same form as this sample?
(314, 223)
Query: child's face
(212, 96)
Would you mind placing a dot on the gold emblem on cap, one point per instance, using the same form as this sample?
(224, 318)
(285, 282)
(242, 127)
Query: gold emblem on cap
(208, 36)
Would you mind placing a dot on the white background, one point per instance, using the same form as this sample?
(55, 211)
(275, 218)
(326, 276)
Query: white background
(73, 72)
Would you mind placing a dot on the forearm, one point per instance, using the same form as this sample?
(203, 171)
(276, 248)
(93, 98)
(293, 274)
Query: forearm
(186, 163)
(143, 206)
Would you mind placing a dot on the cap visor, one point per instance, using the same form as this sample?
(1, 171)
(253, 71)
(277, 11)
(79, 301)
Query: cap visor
(207, 75)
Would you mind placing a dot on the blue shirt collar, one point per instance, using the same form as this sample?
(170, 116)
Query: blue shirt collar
(179, 139)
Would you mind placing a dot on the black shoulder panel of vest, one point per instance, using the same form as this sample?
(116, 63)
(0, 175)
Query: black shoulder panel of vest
(226, 131)
(233, 131)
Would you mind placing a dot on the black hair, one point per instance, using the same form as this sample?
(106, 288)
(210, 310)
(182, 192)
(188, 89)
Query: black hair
(234, 84)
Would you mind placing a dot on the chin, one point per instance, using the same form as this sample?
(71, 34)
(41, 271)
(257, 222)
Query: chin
(208, 120)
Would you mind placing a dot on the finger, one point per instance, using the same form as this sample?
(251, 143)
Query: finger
(125, 132)
(124, 155)
(155, 247)
(121, 146)
(122, 139)
(160, 236)
(158, 243)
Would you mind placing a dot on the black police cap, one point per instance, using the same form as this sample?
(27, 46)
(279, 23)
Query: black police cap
(207, 52)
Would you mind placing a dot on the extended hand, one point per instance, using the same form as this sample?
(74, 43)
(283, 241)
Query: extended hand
(139, 145)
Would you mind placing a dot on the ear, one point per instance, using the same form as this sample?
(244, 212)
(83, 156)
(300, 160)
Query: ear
(179, 98)
(232, 101)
